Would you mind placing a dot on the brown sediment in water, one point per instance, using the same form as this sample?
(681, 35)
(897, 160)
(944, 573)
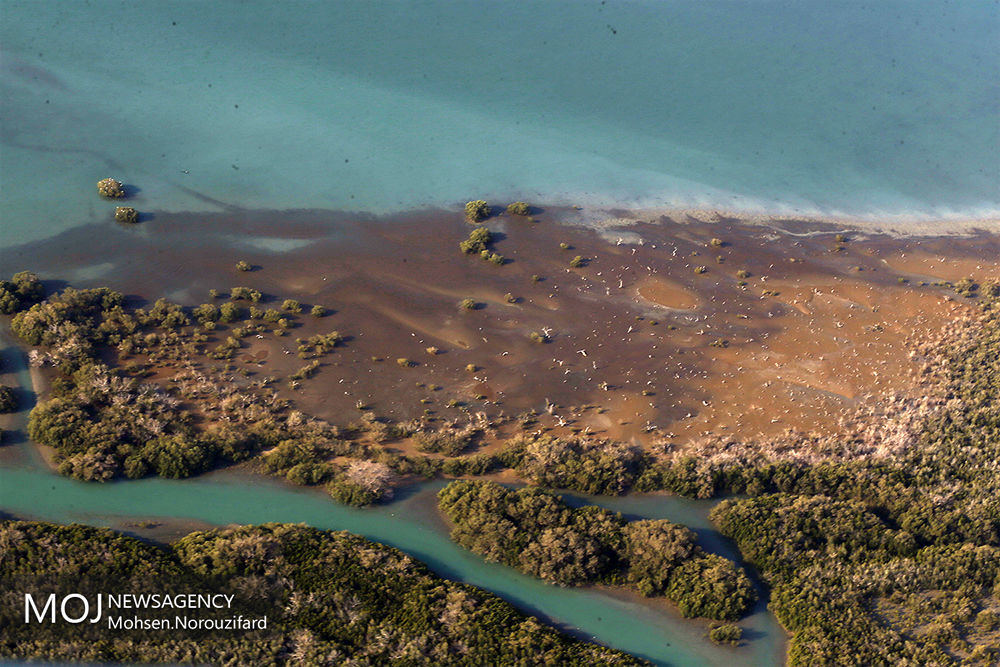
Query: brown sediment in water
(666, 293)
(636, 337)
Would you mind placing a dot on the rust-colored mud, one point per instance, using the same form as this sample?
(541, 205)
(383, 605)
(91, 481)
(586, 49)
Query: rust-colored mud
(636, 337)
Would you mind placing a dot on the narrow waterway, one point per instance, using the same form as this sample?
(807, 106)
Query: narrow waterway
(650, 629)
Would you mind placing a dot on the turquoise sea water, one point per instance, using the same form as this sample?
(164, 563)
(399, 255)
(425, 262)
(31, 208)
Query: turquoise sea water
(861, 108)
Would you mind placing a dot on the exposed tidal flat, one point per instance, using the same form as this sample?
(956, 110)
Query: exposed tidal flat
(660, 327)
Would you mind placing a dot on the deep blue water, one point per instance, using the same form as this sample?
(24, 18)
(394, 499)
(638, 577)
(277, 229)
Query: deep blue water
(860, 108)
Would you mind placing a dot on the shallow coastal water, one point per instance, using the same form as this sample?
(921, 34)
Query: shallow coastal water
(885, 108)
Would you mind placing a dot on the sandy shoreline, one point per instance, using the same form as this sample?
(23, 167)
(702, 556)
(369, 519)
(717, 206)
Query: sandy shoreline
(896, 225)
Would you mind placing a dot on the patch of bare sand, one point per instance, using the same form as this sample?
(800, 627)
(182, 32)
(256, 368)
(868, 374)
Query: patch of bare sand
(899, 225)
(666, 293)
(920, 263)
(836, 342)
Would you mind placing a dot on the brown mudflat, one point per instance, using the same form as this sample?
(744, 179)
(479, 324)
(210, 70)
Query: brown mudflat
(638, 336)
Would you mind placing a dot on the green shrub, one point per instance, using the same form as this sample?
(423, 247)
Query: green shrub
(727, 633)
(229, 312)
(8, 399)
(306, 371)
(591, 466)
(710, 587)
(126, 214)
(168, 315)
(653, 549)
(493, 257)
(449, 444)
(110, 188)
(206, 312)
(245, 294)
(477, 210)
(479, 239)
(518, 208)
(309, 473)
(20, 293)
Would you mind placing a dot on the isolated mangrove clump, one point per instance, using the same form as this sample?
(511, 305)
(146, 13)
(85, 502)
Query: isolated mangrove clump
(518, 208)
(727, 633)
(109, 187)
(493, 257)
(477, 210)
(479, 239)
(126, 214)
(8, 399)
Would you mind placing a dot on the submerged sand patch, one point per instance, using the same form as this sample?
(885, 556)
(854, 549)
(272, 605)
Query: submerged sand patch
(666, 293)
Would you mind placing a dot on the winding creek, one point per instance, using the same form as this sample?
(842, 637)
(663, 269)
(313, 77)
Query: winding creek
(647, 628)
